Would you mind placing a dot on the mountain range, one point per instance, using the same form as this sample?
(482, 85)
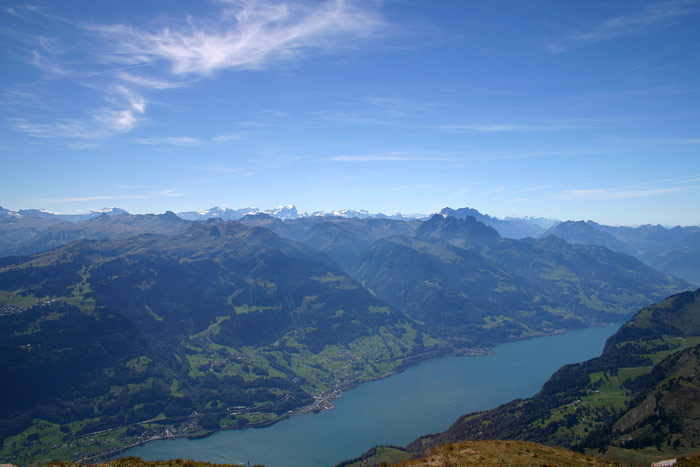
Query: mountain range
(453, 274)
(121, 327)
(674, 250)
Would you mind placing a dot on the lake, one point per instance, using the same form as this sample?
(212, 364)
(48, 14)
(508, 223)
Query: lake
(423, 399)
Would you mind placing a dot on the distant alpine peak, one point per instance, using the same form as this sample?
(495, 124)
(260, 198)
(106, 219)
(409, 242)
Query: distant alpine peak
(112, 211)
(347, 213)
(509, 228)
(283, 212)
(462, 213)
(46, 214)
(5, 213)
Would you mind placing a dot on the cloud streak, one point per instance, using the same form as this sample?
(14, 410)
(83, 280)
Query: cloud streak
(381, 157)
(638, 190)
(516, 127)
(124, 111)
(170, 141)
(80, 199)
(492, 191)
(615, 193)
(148, 82)
(660, 14)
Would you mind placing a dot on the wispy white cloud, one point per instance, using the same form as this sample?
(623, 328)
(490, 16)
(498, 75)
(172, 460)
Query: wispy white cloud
(485, 128)
(122, 61)
(394, 188)
(122, 109)
(492, 191)
(516, 154)
(104, 122)
(226, 137)
(51, 45)
(80, 199)
(658, 14)
(221, 169)
(460, 192)
(637, 190)
(533, 188)
(399, 107)
(23, 94)
(135, 101)
(187, 140)
(170, 141)
(83, 145)
(122, 116)
(66, 128)
(49, 65)
(672, 141)
(120, 121)
(248, 167)
(378, 110)
(615, 193)
(148, 82)
(248, 35)
(676, 181)
(512, 127)
(388, 156)
(170, 193)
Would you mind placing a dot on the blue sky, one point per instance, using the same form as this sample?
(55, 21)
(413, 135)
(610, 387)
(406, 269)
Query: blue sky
(561, 109)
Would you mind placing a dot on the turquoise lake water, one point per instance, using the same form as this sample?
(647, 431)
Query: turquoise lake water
(426, 398)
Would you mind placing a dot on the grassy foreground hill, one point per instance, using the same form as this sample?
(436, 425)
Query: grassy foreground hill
(636, 403)
(483, 453)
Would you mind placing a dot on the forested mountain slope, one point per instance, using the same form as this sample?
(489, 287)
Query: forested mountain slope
(221, 325)
(638, 402)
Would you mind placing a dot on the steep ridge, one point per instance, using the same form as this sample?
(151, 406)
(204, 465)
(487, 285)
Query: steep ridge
(462, 232)
(638, 402)
(509, 228)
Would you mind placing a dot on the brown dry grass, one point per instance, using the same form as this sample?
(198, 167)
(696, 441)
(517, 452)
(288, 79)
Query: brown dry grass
(503, 453)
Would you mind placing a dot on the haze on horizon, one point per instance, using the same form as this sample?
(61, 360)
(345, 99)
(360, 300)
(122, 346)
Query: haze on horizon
(555, 109)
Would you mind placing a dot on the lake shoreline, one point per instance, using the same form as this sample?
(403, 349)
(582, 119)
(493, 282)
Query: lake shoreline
(324, 401)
